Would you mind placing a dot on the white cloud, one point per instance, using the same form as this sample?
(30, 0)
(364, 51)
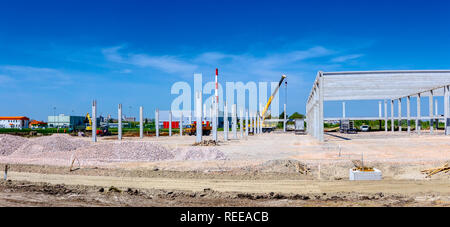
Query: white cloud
(34, 75)
(169, 64)
(346, 58)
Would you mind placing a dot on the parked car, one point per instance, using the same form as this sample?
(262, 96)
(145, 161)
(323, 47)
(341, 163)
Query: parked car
(364, 128)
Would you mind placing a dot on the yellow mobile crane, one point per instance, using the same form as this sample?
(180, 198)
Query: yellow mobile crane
(263, 113)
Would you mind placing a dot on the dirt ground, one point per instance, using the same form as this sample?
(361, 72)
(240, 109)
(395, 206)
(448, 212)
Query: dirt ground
(259, 170)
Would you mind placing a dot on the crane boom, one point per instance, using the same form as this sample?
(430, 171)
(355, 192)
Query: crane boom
(271, 98)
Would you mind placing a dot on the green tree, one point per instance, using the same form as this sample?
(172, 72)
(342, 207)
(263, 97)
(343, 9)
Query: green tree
(296, 115)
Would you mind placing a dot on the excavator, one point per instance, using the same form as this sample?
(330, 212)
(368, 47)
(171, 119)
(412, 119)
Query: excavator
(265, 127)
(103, 131)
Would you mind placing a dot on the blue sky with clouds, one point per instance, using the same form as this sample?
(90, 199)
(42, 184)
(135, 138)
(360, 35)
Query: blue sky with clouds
(63, 54)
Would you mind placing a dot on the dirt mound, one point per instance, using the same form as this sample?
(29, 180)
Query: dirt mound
(124, 151)
(283, 166)
(198, 153)
(53, 143)
(9, 143)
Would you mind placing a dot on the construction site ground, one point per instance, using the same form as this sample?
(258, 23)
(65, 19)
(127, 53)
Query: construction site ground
(262, 170)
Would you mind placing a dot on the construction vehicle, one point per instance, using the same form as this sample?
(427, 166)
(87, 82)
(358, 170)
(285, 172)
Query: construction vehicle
(191, 129)
(347, 126)
(88, 122)
(299, 126)
(270, 126)
(102, 131)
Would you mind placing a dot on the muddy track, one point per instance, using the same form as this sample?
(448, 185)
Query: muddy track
(23, 193)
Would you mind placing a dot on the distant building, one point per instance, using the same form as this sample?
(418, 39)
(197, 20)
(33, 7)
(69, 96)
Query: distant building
(14, 122)
(63, 121)
(132, 119)
(37, 124)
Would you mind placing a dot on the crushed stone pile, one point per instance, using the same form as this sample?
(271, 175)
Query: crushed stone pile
(53, 143)
(198, 154)
(9, 143)
(124, 151)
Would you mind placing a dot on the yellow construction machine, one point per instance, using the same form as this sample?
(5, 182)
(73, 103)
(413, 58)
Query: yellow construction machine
(266, 127)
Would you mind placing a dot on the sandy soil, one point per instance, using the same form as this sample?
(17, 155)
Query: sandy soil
(248, 170)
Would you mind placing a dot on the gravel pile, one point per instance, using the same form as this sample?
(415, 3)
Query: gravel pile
(53, 143)
(124, 151)
(9, 143)
(198, 154)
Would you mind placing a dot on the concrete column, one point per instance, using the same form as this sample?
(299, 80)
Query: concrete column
(246, 123)
(431, 111)
(157, 122)
(241, 122)
(181, 124)
(284, 119)
(141, 122)
(392, 116)
(399, 114)
(198, 112)
(254, 124)
(260, 125)
(385, 116)
(234, 126)
(418, 121)
(343, 110)
(190, 118)
(379, 110)
(225, 122)
(436, 113)
(215, 126)
(94, 121)
(408, 113)
(119, 119)
(446, 112)
(170, 123)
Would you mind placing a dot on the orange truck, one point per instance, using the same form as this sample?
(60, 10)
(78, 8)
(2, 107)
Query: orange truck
(191, 129)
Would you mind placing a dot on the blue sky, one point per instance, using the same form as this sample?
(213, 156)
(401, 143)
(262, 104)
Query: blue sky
(63, 54)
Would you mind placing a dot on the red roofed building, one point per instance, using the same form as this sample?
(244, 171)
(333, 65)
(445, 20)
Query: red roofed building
(37, 124)
(14, 122)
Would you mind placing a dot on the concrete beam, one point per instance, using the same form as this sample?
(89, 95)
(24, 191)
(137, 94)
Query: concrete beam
(392, 116)
(225, 122)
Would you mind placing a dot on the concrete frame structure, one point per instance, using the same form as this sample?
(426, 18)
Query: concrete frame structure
(375, 85)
